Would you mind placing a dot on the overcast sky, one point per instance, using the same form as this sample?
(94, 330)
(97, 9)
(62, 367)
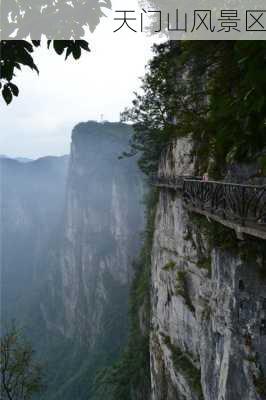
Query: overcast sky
(39, 122)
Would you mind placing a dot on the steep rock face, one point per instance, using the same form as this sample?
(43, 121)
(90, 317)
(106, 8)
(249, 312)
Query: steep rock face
(103, 222)
(85, 307)
(69, 240)
(208, 336)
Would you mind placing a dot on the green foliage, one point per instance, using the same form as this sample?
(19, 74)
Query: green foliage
(262, 164)
(205, 262)
(180, 284)
(251, 250)
(217, 236)
(18, 53)
(260, 384)
(21, 375)
(151, 110)
(169, 266)
(181, 288)
(166, 339)
(212, 91)
(183, 364)
(132, 371)
(51, 19)
(48, 19)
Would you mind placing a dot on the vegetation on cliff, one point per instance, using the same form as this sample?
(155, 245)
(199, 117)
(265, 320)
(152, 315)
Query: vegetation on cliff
(213, 91)
(130, 376)
(21, 374)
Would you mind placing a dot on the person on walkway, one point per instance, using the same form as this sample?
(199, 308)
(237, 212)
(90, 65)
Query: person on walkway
(205, 177)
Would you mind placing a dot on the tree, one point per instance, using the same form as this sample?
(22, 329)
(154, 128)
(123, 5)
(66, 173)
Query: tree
(21, 375)
(165, 99)
(18, 53)
(43, 18)
(211, 91)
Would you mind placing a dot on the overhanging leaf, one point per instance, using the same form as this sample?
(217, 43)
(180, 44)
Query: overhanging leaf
(7, 94)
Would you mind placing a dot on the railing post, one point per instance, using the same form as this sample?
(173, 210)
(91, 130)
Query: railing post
(243, 205)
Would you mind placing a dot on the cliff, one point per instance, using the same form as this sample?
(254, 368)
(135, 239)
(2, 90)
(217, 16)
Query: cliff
(102, 225)
(70, 229)
(85, 310)
(208, 296)
(199, 294)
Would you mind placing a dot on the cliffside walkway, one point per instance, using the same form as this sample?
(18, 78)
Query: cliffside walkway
(238, 206)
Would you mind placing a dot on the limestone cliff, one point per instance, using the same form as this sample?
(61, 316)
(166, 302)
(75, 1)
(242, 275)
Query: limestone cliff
(208, 296)
(90, 275)
(71, 228)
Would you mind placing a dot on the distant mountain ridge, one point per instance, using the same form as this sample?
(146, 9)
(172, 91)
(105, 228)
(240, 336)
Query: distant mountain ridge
(26, 159)
(20, 159)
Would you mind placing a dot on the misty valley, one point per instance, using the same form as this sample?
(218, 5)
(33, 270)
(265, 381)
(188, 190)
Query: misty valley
(72, 227)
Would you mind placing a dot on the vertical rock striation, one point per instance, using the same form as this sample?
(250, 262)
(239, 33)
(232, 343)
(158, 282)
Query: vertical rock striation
(75, 238)
(208, 295)
(92, 270)
(103, 220)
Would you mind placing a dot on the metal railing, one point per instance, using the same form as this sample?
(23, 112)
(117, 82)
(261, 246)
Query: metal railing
(174, 182)
(240, 203)
(236, 202)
